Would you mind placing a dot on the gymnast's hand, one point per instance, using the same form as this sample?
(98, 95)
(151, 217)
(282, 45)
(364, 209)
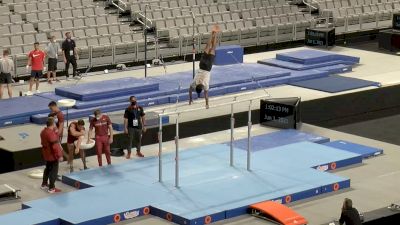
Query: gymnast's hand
(110, 140)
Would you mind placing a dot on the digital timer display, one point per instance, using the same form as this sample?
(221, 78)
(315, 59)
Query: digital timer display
(320, 36)
(280, 112)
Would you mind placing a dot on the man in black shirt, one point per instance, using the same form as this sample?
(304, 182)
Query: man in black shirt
(134, 123)
(70, 54)
(350, 215)
(202, 79)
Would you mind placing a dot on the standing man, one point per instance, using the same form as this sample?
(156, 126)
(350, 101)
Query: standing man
(134, 123)
(103, 135)
(350, 215)
(202, 79)
(58, 116)
(6, 67)
(70, 54)
(36, 61)
(52, 154)
(52, 53)
(76, 132)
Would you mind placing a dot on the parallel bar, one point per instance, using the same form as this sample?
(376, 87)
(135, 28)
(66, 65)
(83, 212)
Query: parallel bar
(160, 150)
(232, 127)
(212, 106)
(249, 139)
(177, 153)
(214, 98)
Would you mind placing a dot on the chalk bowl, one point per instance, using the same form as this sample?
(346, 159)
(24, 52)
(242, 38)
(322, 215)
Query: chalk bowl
(36, 174)
(85, 145)
(66, 102)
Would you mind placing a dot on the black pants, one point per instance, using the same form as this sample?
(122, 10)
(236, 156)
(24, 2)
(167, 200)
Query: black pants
(50, 173)
(135, 138)
(71, 60)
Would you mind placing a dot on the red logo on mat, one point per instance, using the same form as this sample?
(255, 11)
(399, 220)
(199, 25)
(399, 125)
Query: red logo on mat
(336, 187)
(333, 166)
(77, 184)
(288, 199)
(169, 217)
(146, 211)
(207, 220)
(117, 218)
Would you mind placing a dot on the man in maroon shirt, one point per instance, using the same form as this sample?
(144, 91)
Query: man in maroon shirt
(103, 135)
(58, 118)
(76, 132)
(52, 154)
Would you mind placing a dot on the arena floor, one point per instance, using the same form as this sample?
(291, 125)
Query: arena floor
(374, 184)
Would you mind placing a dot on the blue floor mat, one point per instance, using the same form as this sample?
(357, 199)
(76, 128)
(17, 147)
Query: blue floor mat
(363, 150)
(310, 56)
(334, 84)
(278, 138)
(209, 186)
(107, 89)
(17, 110)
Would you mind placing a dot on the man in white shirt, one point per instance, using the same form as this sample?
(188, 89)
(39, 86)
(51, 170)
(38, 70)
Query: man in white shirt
(52, 53)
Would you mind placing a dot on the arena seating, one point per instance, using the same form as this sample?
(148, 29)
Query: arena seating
(103, 40)
(356, 15)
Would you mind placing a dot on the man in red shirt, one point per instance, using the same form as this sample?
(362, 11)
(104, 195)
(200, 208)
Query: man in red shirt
(36, 61)
(52, 154)
(76, 132)
(103, 135)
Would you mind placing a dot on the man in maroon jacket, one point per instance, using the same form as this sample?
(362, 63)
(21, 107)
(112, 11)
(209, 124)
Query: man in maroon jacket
(52, 154)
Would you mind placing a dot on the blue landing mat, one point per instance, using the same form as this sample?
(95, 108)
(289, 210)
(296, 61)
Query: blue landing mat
(310, 56)
(278, 138)
(29, 217)
(18, 110)
(209, 187)
(334, 84)
(298, 66)
(107, 89)
(79, 113)
(363, 150)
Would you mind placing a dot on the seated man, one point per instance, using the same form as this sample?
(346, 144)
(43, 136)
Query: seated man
(76, 132)
(202, 79)
(350, 215)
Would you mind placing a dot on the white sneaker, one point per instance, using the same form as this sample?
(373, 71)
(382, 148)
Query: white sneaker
(28, 93)
(67, 79)
(37, 92)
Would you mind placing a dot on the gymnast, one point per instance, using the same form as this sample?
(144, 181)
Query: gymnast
(202, 79)
(76, 132)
